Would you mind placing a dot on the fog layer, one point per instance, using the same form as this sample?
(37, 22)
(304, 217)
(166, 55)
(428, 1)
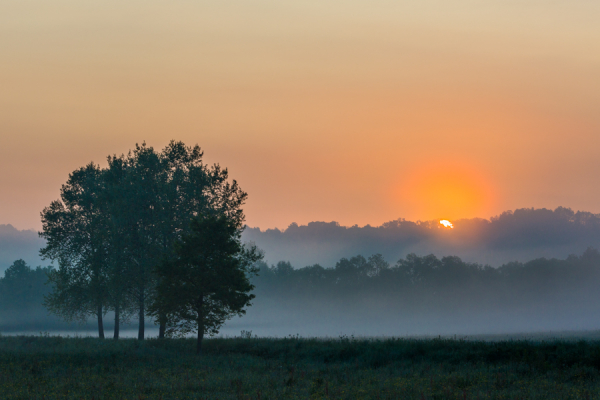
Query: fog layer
(427, 296)
(16, 244)
(519, 235)
(523, 271)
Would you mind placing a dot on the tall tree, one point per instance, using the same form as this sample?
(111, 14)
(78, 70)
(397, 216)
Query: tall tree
(208, 281)
(156, 197)
(136, 210)
(183, 186)
(112, 227)
(75, 229)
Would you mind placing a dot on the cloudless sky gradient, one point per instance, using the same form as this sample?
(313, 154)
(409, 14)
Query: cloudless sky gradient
(355, 111)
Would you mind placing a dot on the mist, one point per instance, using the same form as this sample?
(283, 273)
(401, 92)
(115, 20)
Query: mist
(528, 270)
(427, 296)
(19, 244)
(519, 235)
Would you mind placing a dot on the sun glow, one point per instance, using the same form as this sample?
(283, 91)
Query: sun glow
(449, 188)
(447, 223)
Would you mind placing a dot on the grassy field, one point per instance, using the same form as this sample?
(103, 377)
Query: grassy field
(248, 368)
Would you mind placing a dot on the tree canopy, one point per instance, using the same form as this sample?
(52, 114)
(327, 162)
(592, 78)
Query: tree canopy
(22, 289)
(112, 226)
(207, 281)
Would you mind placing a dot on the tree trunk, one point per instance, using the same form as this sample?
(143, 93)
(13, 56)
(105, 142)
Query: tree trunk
(162, 320)
(200, 337)
(141, 318)
(117, 322)
(100, 323)
(200, 325)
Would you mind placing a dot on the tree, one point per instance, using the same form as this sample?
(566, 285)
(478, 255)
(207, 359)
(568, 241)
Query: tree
(208, 280)
(76, 229)
(154, 197)
(136, 193)
(21, 291)
(112, 227)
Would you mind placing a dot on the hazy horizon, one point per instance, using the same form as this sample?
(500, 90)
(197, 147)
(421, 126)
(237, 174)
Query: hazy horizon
(515, 235)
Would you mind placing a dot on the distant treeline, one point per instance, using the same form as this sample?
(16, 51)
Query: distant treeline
(522, 234)
(446, 282)
(426, 294)
(447, 294)
(22, 291)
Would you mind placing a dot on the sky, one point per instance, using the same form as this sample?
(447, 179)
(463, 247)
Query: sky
(353, 111)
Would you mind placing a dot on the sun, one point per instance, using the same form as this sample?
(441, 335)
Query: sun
(446, 224)
(450, 190)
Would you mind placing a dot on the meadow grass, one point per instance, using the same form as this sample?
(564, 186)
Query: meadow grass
(42, 367)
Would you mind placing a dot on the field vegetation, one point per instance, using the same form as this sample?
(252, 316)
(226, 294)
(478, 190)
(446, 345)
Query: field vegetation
(295, 368)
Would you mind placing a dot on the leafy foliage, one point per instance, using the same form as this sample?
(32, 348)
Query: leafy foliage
(22, 290)
(207, 282)
(76, 233)
(113, 226)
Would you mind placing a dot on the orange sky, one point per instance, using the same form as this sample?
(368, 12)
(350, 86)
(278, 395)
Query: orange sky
(355, 111)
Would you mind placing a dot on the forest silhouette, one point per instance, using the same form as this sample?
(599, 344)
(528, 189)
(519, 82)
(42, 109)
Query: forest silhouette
(519, 235)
